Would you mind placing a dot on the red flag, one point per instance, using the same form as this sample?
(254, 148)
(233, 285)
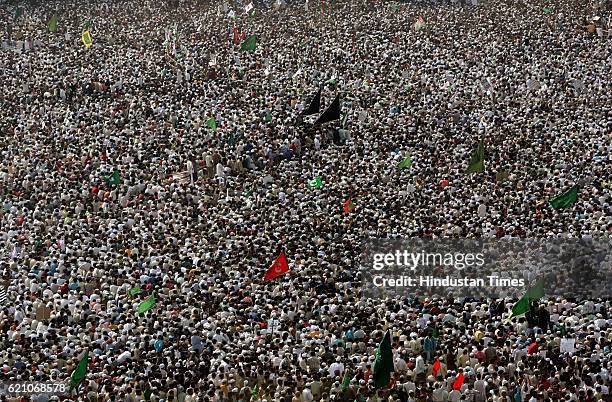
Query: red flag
(348, 206)
(279, 267)
(458, 382)
(533, 348)
(436, 367)
(236, 36)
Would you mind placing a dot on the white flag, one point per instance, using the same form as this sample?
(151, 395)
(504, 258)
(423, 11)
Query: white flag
(249, 7)
(533, 85)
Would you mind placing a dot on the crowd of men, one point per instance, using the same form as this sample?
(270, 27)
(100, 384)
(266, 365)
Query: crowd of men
(169, 161)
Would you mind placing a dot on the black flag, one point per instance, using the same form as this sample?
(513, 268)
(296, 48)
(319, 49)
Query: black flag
(331, 113)
(315, 105)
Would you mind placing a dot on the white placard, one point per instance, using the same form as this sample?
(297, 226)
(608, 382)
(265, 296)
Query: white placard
(568, 345)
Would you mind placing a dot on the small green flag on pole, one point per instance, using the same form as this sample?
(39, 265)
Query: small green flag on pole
(477, 161)
(547, 10)
(405, 163)
(18, 13)
(249, 44)
(268, 117)
(52, 25)
(383, 365)
(566, 199)
(80, 372)
(212, 124)
(147, 304)
(315, 183)
(346, 380)
(114, 179)
(231, 140)
(254, 391)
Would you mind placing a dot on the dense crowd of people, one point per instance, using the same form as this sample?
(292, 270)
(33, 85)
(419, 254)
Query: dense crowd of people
(167, 161)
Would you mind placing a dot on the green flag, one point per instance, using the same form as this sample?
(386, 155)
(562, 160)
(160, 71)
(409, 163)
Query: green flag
(566, 199)
(477, 161)
(383, 365)
(87, 24)
(547, 10)
(523, 305)
(268, 117)
(80, 372)
(405, 163)
(315, 183)
(147, 304)
(114, 179)
(18, 13)
(254, 391)
(520, 307)
(135, 290)
(563, 330)
(212, 124)
(346, 380)
(249, 44)
(52, 25)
